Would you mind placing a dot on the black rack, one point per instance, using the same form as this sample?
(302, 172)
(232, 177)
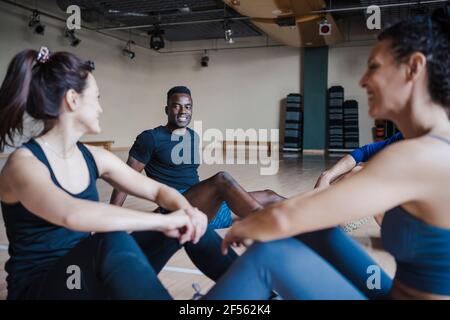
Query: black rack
(335, 119)
(293, 128)
(351, 128)
(342, 122)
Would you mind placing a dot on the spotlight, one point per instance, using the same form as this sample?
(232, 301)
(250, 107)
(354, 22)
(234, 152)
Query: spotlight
(35, 23)
(73, 40)
(156, 38)
(205, 59)
(127, 50)
(324, 28)
(228, 32)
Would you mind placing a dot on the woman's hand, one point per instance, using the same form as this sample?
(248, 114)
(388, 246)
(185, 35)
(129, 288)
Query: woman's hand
(199, 221)
(179, 225)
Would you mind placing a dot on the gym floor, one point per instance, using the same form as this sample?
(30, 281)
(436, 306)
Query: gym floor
(296, 174)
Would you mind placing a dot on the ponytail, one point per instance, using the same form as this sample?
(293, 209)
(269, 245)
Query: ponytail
(14, 95)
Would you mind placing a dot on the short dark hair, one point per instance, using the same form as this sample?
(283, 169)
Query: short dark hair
(178, 89)
(430, 35)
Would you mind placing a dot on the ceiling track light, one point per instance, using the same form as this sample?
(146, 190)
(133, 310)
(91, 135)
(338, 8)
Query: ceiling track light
(205, 59)
(228, 32)
(73, 40)
(156, 38)
(35, 23)
(128, 52)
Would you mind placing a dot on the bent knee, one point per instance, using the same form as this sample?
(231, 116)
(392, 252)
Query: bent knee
(222, 178)
(117, 241)
(273, 249)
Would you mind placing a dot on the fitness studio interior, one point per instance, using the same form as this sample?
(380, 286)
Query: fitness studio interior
(224, 150)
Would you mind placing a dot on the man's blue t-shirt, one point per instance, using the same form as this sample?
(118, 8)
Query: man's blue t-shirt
(165, 159)
(366, 152)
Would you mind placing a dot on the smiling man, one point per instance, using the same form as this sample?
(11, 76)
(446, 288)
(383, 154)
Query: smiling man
(153, 151)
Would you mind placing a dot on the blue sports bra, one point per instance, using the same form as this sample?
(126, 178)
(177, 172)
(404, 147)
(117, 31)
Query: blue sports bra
(421, 251)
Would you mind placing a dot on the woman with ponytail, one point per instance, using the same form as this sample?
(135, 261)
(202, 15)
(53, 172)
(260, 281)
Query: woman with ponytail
(50, 203)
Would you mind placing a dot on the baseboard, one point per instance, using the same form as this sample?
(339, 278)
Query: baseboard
(225, 144)
(120, 149)
(319, 152)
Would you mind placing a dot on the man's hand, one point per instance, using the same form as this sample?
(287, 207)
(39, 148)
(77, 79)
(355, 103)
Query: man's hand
(323, 181)
(235, 237)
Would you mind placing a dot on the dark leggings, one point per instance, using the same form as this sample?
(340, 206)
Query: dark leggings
(118, 265)
(325, 264)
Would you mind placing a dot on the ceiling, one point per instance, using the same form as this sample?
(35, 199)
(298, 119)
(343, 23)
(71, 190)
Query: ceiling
(184, 20)
(181, 20)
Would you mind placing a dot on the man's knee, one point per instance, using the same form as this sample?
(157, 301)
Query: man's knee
(222, 176)
(272, 195)
(209, 240)
(222, 179)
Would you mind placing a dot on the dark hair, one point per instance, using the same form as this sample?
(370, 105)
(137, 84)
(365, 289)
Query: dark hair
(38, 88)
(429, 35)
(178, 89)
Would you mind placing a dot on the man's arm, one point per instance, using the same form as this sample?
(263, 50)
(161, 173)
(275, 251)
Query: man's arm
(343, 166)
(365, 153)
(350, 161)
(118, 197)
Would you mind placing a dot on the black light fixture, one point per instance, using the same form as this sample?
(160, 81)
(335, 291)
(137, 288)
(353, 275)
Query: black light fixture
(73, 40)
(35, 23)
(156, 38)
(205, 59)
(228, 31)
(418, 9)
(127, 51)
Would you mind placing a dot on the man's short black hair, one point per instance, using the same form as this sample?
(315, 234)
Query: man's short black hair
(177, 89)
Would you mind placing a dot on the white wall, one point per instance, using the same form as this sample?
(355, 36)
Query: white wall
(240, 89)
(346, 65)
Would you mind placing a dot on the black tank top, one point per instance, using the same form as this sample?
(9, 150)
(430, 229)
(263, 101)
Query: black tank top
(35, 244)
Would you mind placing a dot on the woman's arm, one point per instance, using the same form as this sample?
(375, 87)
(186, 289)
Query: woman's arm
(31, 184)
(124, 178)
(382, 185)
(118, 197)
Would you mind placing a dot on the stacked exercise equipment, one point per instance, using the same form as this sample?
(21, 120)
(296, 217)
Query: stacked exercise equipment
(351, 128)
(293, 128)
(335, 118)
(342, 118)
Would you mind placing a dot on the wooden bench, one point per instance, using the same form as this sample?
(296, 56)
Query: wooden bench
(105, 144)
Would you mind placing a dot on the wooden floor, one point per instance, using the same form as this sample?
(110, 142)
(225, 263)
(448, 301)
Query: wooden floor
(296, 174)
